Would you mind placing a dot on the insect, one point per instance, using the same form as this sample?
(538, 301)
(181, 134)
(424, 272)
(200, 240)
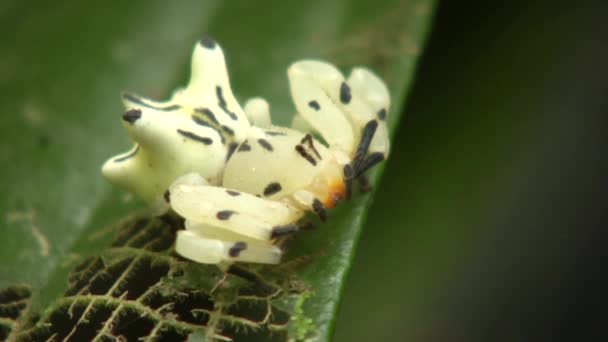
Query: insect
(239, 182)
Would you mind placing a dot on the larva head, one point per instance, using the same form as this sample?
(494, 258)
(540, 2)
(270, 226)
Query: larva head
(168, 145)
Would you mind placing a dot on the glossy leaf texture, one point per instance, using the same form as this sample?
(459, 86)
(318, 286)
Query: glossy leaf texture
(63, 65)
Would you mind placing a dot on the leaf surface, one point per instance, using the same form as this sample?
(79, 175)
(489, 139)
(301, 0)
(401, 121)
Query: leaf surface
(63, 65)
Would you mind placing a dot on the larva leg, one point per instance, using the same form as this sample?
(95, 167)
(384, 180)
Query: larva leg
(307, 200)
(329, 104)
(258, 112)
(314, 85)
(238, 212)
(372, 91)
(211, 245)
(367, 107)
(321, 93)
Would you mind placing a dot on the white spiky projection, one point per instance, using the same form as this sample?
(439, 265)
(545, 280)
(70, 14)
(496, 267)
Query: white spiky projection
(239, 182)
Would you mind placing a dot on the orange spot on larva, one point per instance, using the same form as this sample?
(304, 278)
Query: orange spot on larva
(337, 192)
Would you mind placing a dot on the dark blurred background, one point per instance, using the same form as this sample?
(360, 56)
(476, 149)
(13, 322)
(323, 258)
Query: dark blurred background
(488, 221)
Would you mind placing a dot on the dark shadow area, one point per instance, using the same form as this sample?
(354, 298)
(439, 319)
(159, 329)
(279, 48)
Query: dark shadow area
(488, 222)
(137, 290)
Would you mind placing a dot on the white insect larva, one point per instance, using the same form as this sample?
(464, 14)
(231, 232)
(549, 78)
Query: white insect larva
(239, 182)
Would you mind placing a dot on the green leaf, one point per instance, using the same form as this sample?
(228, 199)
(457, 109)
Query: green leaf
(62, 66)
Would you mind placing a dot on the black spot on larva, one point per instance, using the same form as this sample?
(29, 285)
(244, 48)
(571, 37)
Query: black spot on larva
(231, 148)
(345, 95)
(233, 193)
(167, 196)
(244, 147)
(314, 105)
(272, 189)
(280, 231)
(225, 214)
(208, 42)
(237, 248)
(265, 144)
(127, 156)
(132, 115)
(228, 130)
(319, 209)
(382, 114)
(195, 137)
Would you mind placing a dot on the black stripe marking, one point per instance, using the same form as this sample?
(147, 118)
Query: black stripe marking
(314, 105)
(319, 209)
(228, 130)
(382, 114)
(237, 248)
(127, 156)
(231, 148)
(280, 231)
(274, 134)
(167, 196)
(201, 122)
(208, 43)
(265, 144)
(244, 147)
(213, 125)
(345, 95)
(204, 123)
(137, 100)
(305, 155)
(272, 188)
(190, 135)
(233, 193)
(224, 214)
(208, 113)
(222, 103)
(308, 139)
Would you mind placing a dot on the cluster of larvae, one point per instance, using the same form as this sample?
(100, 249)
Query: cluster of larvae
(241, 183)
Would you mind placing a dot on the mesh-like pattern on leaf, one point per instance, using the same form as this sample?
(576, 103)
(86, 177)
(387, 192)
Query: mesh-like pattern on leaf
(13, 301)
(139, 289)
